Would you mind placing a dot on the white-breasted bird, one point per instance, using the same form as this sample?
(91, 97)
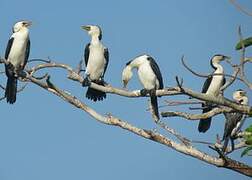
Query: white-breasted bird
(150, 77)
(212, 87)
(96, 57)
(234, 120)
(17, 54)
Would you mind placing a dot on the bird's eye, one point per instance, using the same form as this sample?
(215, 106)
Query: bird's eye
(242, 93)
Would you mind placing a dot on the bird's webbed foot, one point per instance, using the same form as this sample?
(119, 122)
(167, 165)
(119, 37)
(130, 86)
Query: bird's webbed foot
(144, 92)
(86, 81)
(103, 81)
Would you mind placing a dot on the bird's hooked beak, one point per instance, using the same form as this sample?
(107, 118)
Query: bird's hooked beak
(87, 28)
(126, 76)
(27, 23)
(243, 93)
(227, 58)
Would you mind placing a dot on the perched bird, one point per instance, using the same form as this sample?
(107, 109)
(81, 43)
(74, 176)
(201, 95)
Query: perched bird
(96, 57)
(16, 54)
(212, 87)
(149, 75)
(234, 120)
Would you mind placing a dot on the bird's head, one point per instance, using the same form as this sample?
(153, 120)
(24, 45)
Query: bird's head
(93, 30)
(126, 75)
(240, 96)
(21, 25)
(219, 57)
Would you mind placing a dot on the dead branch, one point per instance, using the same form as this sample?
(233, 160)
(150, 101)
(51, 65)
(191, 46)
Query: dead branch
(39, 60)
(148, 134)
(190, 117)
(184, 148)
(183, 139)
(171, 91)
(220, 100)
(240, 8)
(234, 76)
(177, 103)
(231, 80)
(242, 61)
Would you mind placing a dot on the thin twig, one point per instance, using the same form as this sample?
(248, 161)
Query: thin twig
(191, 117)
(177, 103)
(39, 60)
(206, 76)
(184, 140)
(242, 61)
(240, 8)
(231, 80)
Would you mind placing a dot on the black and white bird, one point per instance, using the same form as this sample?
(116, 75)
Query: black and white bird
(234, 120)
(16, 54)
(96, 57)
(212, 87)
(149, 75)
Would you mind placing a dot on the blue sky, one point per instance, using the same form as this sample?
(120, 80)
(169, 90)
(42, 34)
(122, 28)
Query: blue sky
(42, 137)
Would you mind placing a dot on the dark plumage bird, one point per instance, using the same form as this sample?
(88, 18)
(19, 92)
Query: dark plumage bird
(234, 120)
(96, 57)
(212, 87)
(17, 54)
(149, 75)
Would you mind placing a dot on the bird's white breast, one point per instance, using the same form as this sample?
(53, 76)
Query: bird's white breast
(96, 61)
(216, 82)
(147, 76)
(18, 49)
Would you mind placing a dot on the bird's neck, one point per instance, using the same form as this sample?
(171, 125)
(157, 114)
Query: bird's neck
(22, 34)
(136, 63)
(95, 39)
(218, 68)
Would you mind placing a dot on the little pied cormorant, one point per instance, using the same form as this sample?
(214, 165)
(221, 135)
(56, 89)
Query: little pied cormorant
(234, 120)
(17, 54)
(96, 57)
(149, 75)
(212, 87)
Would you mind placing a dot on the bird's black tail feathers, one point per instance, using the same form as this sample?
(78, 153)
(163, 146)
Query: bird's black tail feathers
(225, 144)
(11, 90)
(96, 95)
(154, 105)
(205, 124)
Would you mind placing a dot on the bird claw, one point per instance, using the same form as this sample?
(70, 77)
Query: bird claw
(103, 82)
(144, 92)
(86, 82)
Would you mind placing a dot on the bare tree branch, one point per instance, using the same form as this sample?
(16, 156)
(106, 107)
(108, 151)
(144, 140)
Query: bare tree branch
(220, 100)
(243, 10)
(177, 103)
(189, 116)
(184, 147)
(242, 61)
(148, 134)
(136, 93)
(234, 76)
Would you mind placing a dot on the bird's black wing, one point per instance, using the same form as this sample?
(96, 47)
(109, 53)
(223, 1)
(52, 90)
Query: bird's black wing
(156, 70)
(8, 48)
(86, 53)
(27, 52)
(206, 84)
(224, 81)
(106, 55)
